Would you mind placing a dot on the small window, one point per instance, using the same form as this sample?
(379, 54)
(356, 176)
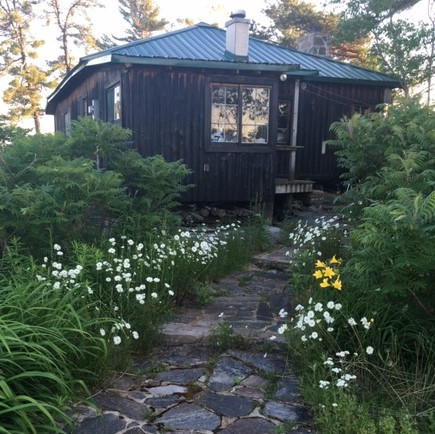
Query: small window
(113, 104)
(239, 114)
(67, 121)
(283, 122)
(83, 107)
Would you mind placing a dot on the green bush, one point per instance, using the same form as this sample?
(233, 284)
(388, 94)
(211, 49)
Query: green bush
(52, 188)
(383, 151)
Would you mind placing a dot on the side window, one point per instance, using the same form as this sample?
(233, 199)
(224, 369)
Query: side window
(83, 107)
(113, 104)
(67, 121)
(283, 122)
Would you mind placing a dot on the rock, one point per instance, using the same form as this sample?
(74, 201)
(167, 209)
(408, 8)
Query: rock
(274, 234)
(270, 364)
(148, 429)
(185, 356)
(125, 383)
(284, 412)
(167, 390)
(225, 372)
(249, 392)
(255, 381)
(230, 406)
(127, 407)
(287, 390)
(104, 424)
(180, 376)
(189, 417)
(162, 402)
(254, 425)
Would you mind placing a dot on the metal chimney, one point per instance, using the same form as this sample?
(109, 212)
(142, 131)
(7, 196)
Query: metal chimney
(237, 36)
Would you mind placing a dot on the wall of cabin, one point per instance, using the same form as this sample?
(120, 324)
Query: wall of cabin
(321, 104)
(167, 110)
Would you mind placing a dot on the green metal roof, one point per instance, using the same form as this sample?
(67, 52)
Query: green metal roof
(203, 45)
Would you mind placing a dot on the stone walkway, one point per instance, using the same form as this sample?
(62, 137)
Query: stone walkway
(217, 372)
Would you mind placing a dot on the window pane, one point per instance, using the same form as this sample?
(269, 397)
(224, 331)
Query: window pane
(117, 103)
(109, 105)
(218, 95)
(232, 95)
(255, 116)
(255, 134)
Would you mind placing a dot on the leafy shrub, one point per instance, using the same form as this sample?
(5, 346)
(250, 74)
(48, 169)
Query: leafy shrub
(383, 151)
(52, 188)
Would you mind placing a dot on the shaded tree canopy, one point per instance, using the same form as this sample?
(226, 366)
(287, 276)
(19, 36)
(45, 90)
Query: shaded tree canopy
(18, 51)
(72, 21)
(292, 19)
(142, 17)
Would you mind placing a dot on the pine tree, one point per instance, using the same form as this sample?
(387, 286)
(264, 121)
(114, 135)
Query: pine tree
(72, 22)
(401, 47)
(292, 19)
(142, 17)
(18, 51)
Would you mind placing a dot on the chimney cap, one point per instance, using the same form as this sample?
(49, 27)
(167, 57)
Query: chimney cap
(240, 13)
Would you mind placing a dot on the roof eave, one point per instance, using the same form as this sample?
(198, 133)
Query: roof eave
(210, 64)
(383, 83)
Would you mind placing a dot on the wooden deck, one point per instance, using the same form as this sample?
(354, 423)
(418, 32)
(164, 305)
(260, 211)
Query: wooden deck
(285, 186)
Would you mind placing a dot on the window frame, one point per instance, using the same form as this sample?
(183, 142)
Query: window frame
(109, 89)
(248, 81)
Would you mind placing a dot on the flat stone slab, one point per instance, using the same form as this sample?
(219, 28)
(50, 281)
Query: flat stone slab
(255, 381)
(104, 424)
(226, 372)
(287, 390)
(285, 412)
(249, 392)
(276, 259)
(184, 355)
(125, 406)
(146, 429)
(180, 376)
(178, 333)
(125, 383)
(253, 425)
(167, 390)
(189, 417)
(226, 405)
(270, 364)
(162, 402)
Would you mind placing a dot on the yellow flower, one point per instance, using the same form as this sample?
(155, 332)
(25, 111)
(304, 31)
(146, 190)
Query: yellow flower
(334, 260)
(329, 272)
(324, 283)
(318, 274)
(337, 284)
(320, 264)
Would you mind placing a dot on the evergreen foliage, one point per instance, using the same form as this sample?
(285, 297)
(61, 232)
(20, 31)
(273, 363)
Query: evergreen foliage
(142, 17)
(74, 27)
(18, 49)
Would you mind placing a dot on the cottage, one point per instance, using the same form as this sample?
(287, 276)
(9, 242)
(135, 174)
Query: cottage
(250, 118)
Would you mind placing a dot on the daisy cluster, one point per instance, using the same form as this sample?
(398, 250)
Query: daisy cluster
(308, 237)
(315, 319)
(61, 278)
(129, 276)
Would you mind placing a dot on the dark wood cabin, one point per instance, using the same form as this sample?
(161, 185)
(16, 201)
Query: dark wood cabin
(248, 117)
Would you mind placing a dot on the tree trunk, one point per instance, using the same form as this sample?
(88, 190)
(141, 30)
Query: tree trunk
(37, 121)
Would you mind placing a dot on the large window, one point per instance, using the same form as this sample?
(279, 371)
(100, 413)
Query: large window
(239, 114)
(113, 104)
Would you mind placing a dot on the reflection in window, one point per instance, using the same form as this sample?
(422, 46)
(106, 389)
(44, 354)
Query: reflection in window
(224, 114)
(239, 114)
(283, 122)
(113, 104)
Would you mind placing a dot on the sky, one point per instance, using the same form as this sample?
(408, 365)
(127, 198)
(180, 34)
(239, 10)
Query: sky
(108, 20)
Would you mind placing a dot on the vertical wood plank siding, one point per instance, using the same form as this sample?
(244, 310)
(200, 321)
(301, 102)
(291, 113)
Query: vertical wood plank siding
(320, 105)
(166, 110)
